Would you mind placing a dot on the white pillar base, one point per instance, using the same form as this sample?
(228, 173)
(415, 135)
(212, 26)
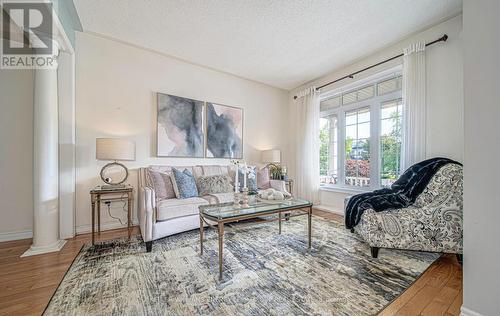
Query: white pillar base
(33, 251)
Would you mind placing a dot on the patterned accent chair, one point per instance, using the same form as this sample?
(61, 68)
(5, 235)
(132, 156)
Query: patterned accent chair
(433, 223)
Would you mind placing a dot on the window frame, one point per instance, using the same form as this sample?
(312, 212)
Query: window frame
(375, 105)
(400, 100)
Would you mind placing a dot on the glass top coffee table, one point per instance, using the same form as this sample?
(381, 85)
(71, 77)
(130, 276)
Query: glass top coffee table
(221, 214)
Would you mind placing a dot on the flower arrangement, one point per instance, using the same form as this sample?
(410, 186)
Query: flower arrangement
(276, 172)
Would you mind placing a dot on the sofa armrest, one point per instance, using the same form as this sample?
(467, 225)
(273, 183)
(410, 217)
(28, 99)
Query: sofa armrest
(146, 216)
(279, 185)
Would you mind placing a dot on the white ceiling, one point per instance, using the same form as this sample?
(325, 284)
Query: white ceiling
(283, 43)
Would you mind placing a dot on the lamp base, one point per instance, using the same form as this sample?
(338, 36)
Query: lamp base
(110, 184)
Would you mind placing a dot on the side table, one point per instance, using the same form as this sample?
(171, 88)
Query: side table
(116, 194)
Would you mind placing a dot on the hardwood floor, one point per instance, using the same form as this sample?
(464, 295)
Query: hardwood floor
(27, 284)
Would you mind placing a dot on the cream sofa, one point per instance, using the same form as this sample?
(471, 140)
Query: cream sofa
(162, 218)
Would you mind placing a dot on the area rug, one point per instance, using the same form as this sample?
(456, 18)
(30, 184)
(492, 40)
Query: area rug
(264, 274)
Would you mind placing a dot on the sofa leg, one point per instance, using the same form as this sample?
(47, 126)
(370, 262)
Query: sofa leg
(149, 246)
(374, 251)
(460, 258)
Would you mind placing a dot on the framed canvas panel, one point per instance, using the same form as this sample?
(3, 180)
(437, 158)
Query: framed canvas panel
(224, 131)
(179, 126)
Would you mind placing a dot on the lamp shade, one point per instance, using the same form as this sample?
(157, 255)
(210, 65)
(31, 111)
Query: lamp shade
(114, 149)
(271, 156)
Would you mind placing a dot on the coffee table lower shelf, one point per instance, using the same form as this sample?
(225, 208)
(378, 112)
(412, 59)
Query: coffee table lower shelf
(299, 210)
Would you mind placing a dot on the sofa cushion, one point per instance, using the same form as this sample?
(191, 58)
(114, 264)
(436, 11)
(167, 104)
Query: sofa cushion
(195, 170)
(174, 208)
(185, 184)
(219, 198)
(214, 184)
(211, 170)
(161, 183)
(263, 178)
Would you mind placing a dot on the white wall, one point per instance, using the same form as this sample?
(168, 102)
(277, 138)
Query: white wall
(482, 149)
(444, 91)
(16, 156)
(116, 85)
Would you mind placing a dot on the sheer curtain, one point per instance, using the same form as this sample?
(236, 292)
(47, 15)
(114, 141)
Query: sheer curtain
(414, 113)
(306, 108)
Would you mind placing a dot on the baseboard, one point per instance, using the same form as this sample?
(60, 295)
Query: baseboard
(23, 234)
(468, 312)
(330, 209)
(82, 229)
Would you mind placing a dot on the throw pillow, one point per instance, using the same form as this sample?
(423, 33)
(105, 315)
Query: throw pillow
(214, 184)
(263, 180)
(251, 180)
(161, 183)
(174, 184)
(186, 185)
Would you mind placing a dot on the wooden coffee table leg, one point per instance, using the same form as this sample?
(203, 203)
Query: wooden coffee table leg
(309, 228)
(279, 220)
(221, 247)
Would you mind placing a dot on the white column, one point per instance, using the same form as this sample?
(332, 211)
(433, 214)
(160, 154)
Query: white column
(45, 163)
(66, 104)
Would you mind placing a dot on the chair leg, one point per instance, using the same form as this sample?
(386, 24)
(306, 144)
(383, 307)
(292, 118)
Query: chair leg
(374, 251)
(352, 230)
(149, 246)
(460, 258)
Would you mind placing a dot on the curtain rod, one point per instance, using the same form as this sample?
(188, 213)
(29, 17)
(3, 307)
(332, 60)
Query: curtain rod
(444, 38)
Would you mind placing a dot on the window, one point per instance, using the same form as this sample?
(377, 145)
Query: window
(360, 135)
(328, 149)
(390, 142)
(357, 147)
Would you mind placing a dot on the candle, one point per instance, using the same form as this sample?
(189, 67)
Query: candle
(245, 176)
(236, 184)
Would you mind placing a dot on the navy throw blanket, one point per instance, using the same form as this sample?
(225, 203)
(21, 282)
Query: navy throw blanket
(402, 193)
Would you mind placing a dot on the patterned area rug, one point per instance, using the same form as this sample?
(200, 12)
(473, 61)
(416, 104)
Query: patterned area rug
(264, 274)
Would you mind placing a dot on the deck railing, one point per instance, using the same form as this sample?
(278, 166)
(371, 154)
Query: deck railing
(354, 181)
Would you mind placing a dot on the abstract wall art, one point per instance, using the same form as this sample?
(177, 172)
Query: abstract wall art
(179, 126)
(224, 131)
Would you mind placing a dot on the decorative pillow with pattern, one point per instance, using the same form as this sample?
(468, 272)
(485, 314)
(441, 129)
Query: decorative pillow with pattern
(263, 180)
(162, 184)
(185, 183)
(214, 184)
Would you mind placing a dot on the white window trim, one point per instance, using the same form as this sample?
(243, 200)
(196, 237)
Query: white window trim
(339, 188)
(375, 105)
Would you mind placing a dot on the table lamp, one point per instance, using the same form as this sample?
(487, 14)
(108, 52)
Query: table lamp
(271, 157)
(114, 149)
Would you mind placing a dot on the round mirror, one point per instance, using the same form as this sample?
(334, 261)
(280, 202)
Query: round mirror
(114, 173)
